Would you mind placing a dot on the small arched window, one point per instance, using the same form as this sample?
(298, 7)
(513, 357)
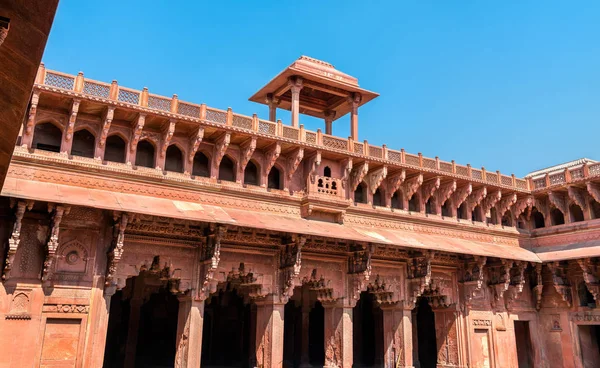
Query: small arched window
(84, 144)
(226, 169)
(557, 217)
(327, 172)
(397, 200)
(413, 203)
(493, 216)
(537, 219)
(430, 206)
(462, 212)
(251, 174)
(274, 178)
(507, 219)
(377, 198)
(476, 214)
(174, 159)
(115, 149)
(144, 154)
(47, 137)
(595, 206)
(201, 166)
(360, 194)
(576, 213)
(446, 210)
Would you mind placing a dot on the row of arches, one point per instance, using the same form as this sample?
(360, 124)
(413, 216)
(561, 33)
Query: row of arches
(48, 137)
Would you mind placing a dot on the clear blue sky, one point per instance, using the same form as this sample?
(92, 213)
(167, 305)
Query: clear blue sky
(513, 86)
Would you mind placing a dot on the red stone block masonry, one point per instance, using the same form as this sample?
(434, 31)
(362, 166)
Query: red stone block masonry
(144, 231)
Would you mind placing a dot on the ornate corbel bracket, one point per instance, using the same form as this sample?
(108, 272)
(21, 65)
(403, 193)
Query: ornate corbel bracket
(35, 98)
(375, 178)
(539, 286)
(381, 292)
(522, 205)
(473, 277)
(594, 190)
(195, 140)
(394, 182)
(444, 193)
(313, 164)
(271, 156)
(116, 250)
(167, 136)
(505, 203)
(290, 263)
(359, 269)
(561, 282)
(358, 174)
(15, 237)
(246, 150)
(428, 189)
(411, 186)
(58, 211)
(579, 197)
(137, 131)
(293, 161)
(347, 170)
(460, 195)
(70, 127)
(107, 119)
(590, 276)
(558, 200)
(210, 257)
(221, 144)
(517, 282)
(419, 275)
(500, 278)
(490, 201)
(477, 196)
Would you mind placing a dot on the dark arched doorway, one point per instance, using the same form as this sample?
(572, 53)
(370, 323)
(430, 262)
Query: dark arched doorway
(367, 332)
(426, 338)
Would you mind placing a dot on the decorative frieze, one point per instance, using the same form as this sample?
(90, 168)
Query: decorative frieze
(66, 308)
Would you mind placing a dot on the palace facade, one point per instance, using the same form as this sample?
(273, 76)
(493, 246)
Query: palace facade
(138, 230)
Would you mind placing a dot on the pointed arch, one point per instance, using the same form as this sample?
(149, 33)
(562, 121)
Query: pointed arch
(576, 213)
(84, 143)
(275, 177)
(47, 136)
(557, 217)
(174, 159)
(227, 168)
(252, 173)
(145, 154)
(115, 148)
(201, 164)
(360, 194)
(378, 197)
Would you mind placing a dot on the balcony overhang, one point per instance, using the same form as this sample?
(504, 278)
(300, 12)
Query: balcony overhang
(325, 89)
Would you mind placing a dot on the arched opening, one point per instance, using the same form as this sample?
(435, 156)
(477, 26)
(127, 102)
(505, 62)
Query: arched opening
(47, 137)
(413, 203)
(586, 299)
(274, 179)
(476, 214)
(446, 209)
(227, 331)
(292, 334)
(304, 332)
(557, 217)
(360, 194)
(397, 200)
(507, 219)
(462, 212)
(377, 198)
(114, 150)
(576, 213)
(142, 326)
(227, 169)
(174, 159)
(327, 172)
(493, 216)
(251, 174)
(537, 219)
(426, 337)
(84, 144)
(595, 207)
(144, 154)
(430, 206)
(367, 331)
(316, 335)
(201, 165)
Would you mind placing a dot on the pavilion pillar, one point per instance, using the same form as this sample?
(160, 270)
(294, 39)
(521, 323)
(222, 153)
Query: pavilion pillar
(132, 332)
(354, 101)
(295, 86)
(329, 115)
(190, 323)
(397, 336)
(269, 334)
(273, 102)
(338, 336)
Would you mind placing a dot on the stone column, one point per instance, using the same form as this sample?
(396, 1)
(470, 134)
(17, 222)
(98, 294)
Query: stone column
(269, 334)
(295, 86)
(190, 322)
(397, 337)
(354, 101)
(98, 322)
(305, 352)
(132, 332)
(446, 331)
(338, 336)
(273, 102)
(329, 115)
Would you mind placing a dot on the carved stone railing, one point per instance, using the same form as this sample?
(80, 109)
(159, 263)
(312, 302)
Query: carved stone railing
(58, 82)
(563, 177)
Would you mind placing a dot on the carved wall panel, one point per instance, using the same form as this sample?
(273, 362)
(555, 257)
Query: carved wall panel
(30, 255)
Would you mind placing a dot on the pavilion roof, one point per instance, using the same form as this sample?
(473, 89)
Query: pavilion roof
(325, 88)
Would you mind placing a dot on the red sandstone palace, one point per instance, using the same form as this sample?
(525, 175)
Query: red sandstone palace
(139, 230)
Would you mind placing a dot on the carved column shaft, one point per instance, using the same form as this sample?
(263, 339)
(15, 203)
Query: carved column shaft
(397, 337)
(338, 336)
(190, 323)
(296, 87)
(269, 334)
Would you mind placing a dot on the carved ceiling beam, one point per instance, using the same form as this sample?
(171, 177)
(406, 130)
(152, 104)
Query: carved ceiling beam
(327, 89)
(15, 237)
(195, 140)
(290, 263)
(271, 156)
(358, 174)
(558, 200)
(590, 276)
(579, 197)
(58, 211)
(107, 118)
(594, 190)
(394, 182)
(375, 177)
(115, 252)
(411, 186)
(136, 133)
(167, 136)
(221, 144)
(210, 257)
(246, 150)
(428, 189)
(293, 161)
(561, 282)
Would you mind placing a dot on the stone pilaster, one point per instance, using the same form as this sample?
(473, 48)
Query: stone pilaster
(397, 337)
(269, 334)
(338, 336)
(190, 323)
(447, 337)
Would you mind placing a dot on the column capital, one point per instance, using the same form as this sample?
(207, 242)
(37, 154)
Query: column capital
(329, 115)
(272, 100)
(354, 99)
(296, 84)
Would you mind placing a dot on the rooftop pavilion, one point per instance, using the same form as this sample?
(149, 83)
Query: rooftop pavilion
(314, 87)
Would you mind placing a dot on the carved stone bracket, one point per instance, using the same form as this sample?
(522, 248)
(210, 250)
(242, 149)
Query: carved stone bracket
(347, 170)
(271, 155)
(543, 206)
(561, 282)
(443, 194)
(579, 197)
(558, 200)
(313, 164)
(490, 201)
(246, 150)
(522, 205)
(428, 189)
(381, 292)
(293, 161)
(460, 195)
(166, 137)
(517, 282)
(116, 250)
(500, 278)
(375, 178)
(290, 263)
(419, 275)
(30, 124)
(221, 144)
(15, 237)
(505, 203)
(357, 175)
(594, 190)
(210, 256)
(246, 283)
(107, 119)
(58, 211)
(476, 197)
(411, 186)
(359, 270)
(473, 277)
(137, 132)
(394, 182)
(195, 140)
(590, 276)
(539, 286)
(70, 127)
(323, 291)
